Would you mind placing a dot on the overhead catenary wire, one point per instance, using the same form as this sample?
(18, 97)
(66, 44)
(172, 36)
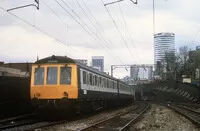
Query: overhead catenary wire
(106, 43)
(126, 25)
(33, 26)
(67, 26)
(40, 30)
(83, 25)
(124, 41)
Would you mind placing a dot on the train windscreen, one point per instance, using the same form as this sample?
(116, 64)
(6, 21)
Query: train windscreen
(65, 75)
(39, 76)
(52, 75)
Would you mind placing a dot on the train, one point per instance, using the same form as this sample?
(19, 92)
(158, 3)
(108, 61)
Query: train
(64, 83)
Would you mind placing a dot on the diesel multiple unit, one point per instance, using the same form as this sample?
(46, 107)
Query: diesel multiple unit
(64, 82)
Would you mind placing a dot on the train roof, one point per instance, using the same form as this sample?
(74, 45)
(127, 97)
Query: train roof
(55, 59)
(64, 59)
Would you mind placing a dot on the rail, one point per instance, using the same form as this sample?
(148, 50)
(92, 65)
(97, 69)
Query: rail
(192, 115)
(120, 121)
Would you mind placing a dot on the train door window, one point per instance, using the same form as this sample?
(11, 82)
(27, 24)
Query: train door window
(39, 76)
(113, 84)
(84, 77)
(90, 75)
(52, 75)
(65, 75)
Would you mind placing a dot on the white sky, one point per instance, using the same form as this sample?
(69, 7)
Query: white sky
(21, 42)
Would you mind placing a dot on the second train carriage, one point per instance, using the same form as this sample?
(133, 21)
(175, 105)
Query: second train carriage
(62, 81)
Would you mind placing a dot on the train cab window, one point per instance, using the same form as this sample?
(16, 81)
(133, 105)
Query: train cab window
(39, 76)
(65, 75)
(52, 75)
(84, 77)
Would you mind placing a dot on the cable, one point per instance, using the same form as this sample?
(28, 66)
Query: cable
(62, 20)
(100, 27)
(36, 27)
(126, 25)
(81, 24)
(118, 29)
(95, 26)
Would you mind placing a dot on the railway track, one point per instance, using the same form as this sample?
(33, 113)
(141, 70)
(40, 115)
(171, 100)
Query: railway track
(17, 121)
(27, 124)
(192, 115)
(30, 122)
(120, 121)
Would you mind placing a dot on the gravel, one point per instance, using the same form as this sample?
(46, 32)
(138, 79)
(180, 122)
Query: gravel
(160, 118)
(84, 122)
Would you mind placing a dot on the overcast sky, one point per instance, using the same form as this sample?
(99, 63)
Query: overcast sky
(93, 32)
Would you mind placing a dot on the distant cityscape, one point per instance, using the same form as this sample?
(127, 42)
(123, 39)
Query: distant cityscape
(164, 42)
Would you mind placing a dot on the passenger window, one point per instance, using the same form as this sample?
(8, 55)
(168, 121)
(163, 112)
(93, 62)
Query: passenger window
(84, 77)
(103, 82)
(52, 75)
(65, 75)
(90, 79)
(39, 76)
(95, 78)
(100, 81)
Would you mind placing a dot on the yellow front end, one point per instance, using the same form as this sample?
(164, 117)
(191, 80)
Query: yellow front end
(54, 81)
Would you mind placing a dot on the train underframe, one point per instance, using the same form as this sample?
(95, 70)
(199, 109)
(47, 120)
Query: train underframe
(66, 106)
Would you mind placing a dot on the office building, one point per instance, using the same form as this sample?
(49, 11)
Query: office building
(98, 63)
(163, 43)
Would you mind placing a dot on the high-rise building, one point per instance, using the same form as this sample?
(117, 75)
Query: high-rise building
(134, 72)
(163, 43)
(98, 62)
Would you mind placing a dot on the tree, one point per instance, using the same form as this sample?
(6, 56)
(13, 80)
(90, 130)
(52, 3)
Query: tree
(170, 65)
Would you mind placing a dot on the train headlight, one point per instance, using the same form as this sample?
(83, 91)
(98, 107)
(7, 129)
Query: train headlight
(37, 94)
(65, 94)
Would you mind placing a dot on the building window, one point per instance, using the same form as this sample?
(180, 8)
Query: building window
(52, 75)
(65, 75)
(39, 76)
